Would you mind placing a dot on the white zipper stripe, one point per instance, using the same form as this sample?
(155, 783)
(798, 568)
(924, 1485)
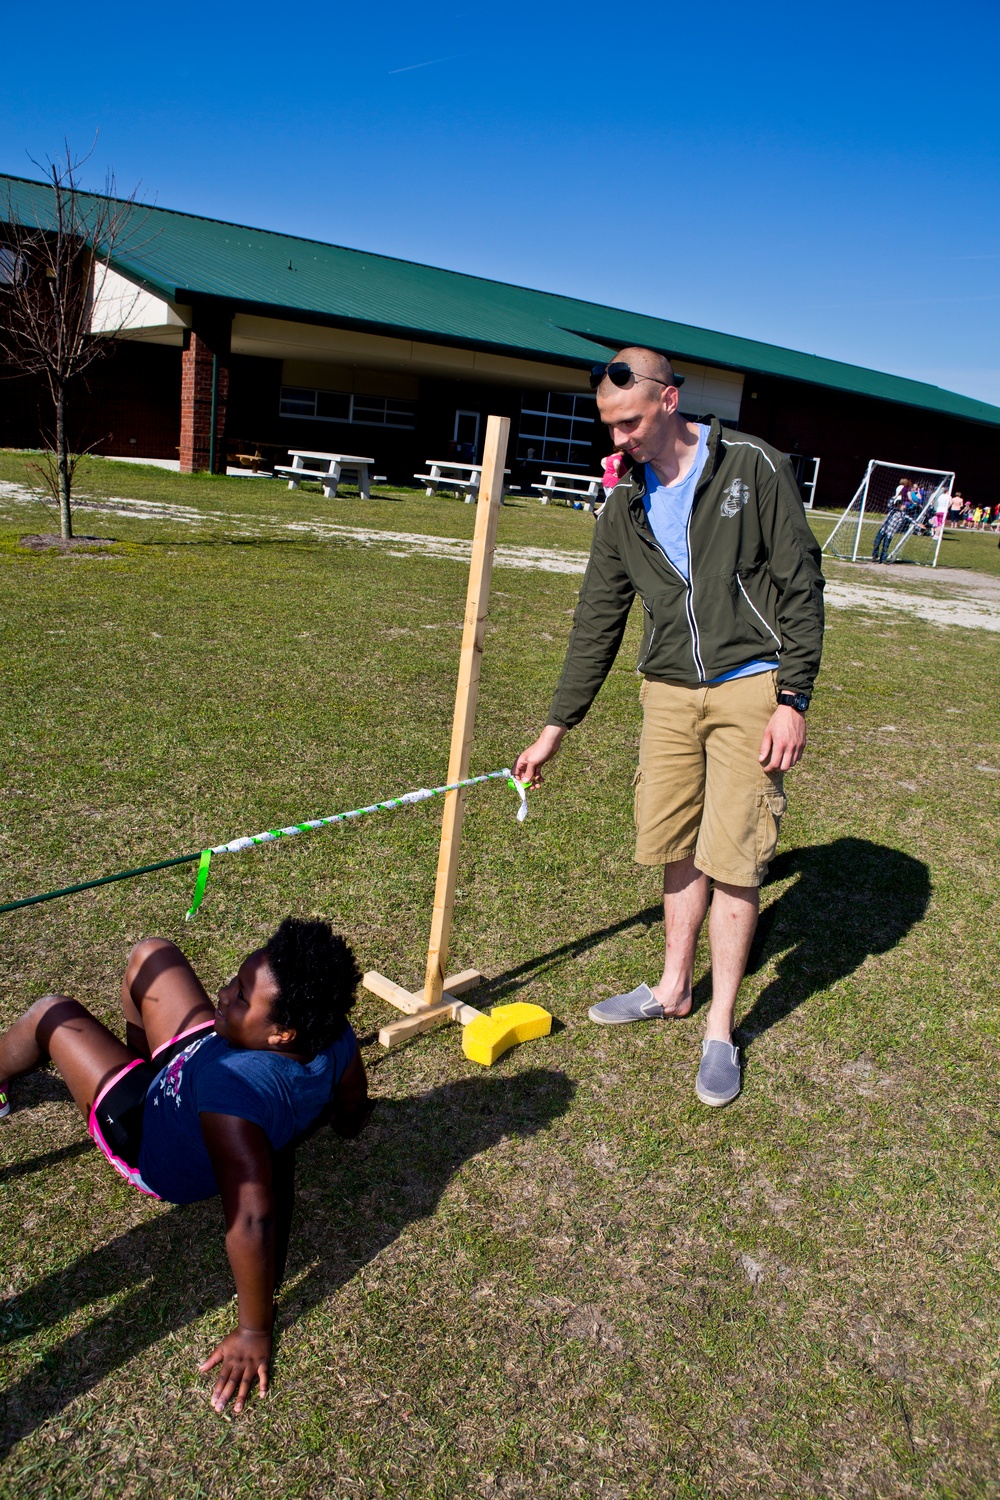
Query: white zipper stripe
(757, 612)
(652, 635)
(695, 637)
(731, 443)
(692, 622)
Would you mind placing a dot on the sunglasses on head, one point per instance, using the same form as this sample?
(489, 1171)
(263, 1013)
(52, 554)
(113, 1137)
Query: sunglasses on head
(619, 373)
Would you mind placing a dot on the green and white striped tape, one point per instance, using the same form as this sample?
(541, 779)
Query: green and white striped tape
(235, 846)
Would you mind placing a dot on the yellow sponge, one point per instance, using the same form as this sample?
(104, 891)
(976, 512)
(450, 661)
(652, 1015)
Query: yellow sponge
(489, 1037)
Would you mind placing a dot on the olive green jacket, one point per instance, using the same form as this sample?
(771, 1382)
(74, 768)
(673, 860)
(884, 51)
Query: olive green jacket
(756, 588)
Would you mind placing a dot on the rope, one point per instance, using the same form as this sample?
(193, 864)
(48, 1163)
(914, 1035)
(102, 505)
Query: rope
(236, 846)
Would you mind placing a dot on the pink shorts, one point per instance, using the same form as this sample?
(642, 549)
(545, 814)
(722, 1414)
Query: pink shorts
(116, 1115)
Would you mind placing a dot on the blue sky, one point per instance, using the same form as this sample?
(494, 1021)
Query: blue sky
(823, 177)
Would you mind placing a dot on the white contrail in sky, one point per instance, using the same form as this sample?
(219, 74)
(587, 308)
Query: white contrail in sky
(411, 67)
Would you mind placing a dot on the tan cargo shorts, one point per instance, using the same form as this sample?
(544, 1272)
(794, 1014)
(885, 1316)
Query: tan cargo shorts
(699, 789)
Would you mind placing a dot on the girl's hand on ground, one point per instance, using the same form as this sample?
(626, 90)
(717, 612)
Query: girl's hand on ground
(243, 1354)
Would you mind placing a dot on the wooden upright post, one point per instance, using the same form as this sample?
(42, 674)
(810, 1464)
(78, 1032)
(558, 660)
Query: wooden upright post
(485, 1038)
(438, 1001)
(473, 634)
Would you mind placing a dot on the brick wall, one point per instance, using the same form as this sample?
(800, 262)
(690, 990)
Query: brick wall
(196, 405)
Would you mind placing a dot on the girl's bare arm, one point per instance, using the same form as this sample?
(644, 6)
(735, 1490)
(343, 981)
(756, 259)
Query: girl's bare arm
(241, 1159)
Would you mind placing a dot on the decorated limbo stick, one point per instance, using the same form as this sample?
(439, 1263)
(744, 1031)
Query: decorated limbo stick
(484, 1037)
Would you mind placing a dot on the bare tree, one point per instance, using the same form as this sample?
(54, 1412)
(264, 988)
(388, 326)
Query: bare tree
(53, 261)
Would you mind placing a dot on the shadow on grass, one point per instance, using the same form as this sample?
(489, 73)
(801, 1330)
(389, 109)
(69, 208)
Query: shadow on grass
(172, 544)
(512, 980)
(851, 898)
(47, 1159)
(354, 1199)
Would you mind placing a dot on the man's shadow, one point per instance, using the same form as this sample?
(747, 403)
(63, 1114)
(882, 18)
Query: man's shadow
(852, 898)
(354, 1198)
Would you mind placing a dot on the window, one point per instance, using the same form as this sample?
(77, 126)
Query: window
(338, 406)
(556, 427)
(12, 266)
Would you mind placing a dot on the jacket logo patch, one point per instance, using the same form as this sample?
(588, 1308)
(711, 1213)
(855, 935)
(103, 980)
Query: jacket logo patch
(735, 497)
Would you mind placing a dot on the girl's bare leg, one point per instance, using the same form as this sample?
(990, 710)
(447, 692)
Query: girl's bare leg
(85, 1052)
(162, 996)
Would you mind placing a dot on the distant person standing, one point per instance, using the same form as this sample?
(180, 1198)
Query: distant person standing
(955, 508)
(940, 513)
(891, 526)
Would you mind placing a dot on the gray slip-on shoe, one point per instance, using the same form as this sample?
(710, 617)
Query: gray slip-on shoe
(639, 1004)
(718, 1080)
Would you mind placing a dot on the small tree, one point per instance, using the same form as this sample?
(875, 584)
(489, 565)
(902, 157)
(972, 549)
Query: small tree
(53, 267)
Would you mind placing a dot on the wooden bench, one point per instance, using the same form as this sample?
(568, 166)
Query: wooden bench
(583, 493)
(257, 457)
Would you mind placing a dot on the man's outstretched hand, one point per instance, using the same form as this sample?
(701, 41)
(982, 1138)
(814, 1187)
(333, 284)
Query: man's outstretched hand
(784, 739)
(528, 766)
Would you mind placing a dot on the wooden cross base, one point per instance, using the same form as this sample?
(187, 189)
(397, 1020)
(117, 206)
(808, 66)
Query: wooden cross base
(418, 1016)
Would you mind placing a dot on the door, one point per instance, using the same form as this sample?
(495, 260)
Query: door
(465, 438)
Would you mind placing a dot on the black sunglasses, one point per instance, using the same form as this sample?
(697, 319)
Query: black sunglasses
(619, 373)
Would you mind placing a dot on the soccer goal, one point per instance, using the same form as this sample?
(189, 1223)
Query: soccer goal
(897, 515)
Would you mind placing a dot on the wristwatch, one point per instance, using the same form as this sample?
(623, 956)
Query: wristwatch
(798, 701)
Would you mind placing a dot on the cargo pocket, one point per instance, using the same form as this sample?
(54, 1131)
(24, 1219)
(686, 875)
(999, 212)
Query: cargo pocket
(637, 798)
(770, 810)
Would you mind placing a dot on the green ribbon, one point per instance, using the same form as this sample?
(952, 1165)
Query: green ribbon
(201, 881)
(521, 788)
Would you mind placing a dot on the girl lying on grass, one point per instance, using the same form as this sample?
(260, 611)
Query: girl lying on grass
(210, 1099)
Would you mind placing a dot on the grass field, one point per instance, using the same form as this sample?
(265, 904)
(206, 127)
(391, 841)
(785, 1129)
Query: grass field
(562, 1276)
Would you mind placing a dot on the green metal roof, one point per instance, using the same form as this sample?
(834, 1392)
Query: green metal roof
(182, 256)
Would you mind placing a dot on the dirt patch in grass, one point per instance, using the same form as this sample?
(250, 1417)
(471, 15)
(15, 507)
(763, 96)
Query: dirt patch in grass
(980, 612)
(52, 542)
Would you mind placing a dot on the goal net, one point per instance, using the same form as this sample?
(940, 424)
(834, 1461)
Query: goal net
(897, 515)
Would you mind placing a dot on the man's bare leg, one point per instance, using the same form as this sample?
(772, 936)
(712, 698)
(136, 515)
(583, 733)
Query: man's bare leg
(685, 902)
(731, 926)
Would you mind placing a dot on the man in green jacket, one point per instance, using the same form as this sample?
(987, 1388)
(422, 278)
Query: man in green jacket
(706, 525)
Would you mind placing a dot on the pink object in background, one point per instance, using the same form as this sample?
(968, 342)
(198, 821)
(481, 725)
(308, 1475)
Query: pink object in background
(612, 470)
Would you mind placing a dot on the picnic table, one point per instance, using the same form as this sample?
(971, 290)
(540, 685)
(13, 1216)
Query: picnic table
(462, 478)
(328, 469)
(584, 491)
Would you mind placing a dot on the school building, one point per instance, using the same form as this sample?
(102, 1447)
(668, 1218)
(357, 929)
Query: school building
(234, 341)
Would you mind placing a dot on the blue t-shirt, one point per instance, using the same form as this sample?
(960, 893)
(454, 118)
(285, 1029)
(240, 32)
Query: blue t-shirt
(276, 1092)
(668, 510)
(668, 506)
